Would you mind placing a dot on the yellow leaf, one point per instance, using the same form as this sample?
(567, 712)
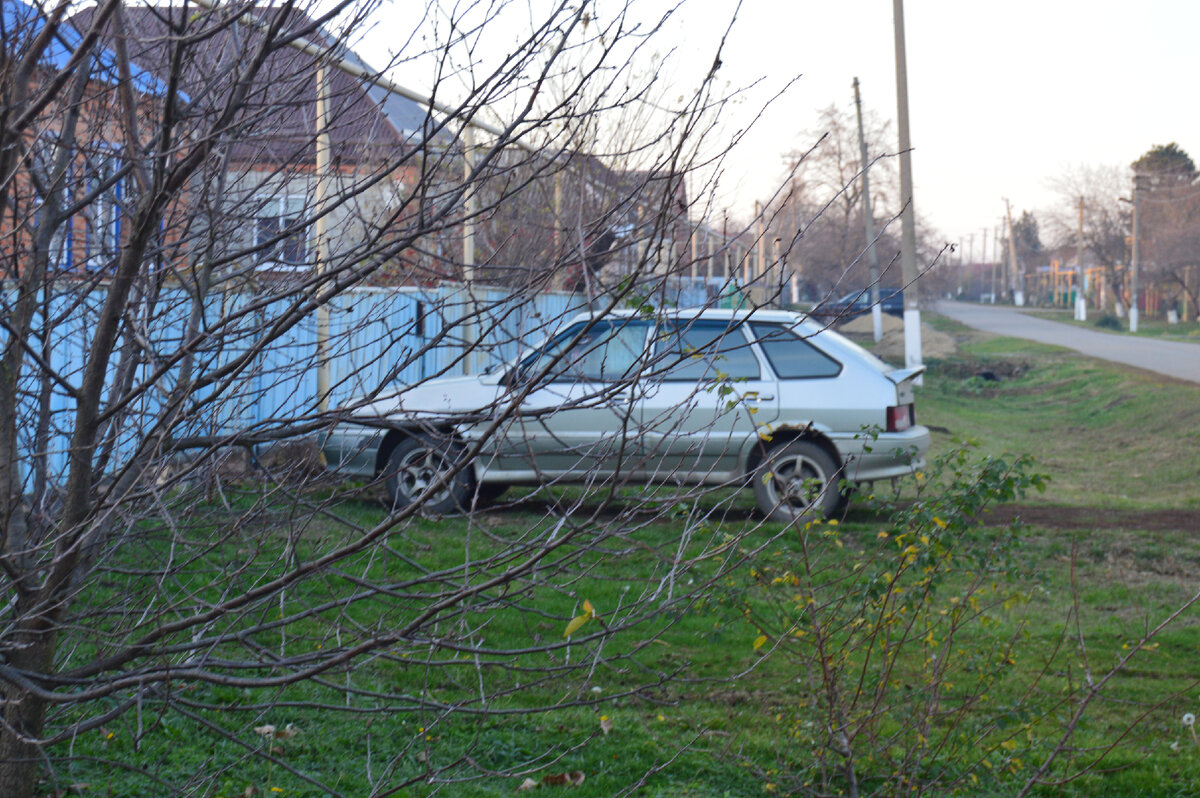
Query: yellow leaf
(759, 642)
(576, 622)
(588, 608)
(939, 522)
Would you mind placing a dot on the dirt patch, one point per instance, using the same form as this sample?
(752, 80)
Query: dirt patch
(1051, 516)
(934, 344)
(865, 325)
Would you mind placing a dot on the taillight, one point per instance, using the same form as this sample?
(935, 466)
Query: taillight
(899, 418)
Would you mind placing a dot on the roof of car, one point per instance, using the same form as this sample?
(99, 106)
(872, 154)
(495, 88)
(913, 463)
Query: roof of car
(723, 314)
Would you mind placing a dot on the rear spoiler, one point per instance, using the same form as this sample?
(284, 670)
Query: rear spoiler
(901, 376)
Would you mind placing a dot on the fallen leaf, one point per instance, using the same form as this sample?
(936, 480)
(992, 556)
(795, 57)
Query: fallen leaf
(605, 724)
(570, 779)
(290, 730)
(528, 784)
(265, 731)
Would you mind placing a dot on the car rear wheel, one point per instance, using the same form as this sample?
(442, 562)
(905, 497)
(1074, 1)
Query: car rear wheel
(417, 464)
(797, 481)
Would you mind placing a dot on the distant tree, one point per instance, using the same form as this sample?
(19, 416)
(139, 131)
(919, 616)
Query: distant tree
(1107, 221)
(1166, 162)
(1025, 232)
(1170, 223)
(818, 214)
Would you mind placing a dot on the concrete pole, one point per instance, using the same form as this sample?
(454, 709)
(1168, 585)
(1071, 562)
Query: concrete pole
(1080, 299)
(971, 262)
(708, 261)
(748, 264)
(695, 242)
(321, 231)
(995, 259)
(470, 323)
(760, 267)
(1137, 260)
(868, 220)
(908, 224)
(558, 281)
(1014, 273)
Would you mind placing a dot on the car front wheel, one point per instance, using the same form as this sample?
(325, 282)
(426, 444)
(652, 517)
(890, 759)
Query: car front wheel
(797, 481)
(417, 464)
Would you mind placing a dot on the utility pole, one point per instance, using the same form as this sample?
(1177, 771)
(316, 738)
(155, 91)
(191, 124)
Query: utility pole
(321, 230)
(869, 220)
(908, 225)
(1014, 275)
(1080, 300)
(970, 264)
(1137, 260)
(471, 209)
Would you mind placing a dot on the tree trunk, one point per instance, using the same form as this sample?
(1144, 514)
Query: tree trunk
(24, 715)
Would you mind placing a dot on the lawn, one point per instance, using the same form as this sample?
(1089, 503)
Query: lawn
(955, 649)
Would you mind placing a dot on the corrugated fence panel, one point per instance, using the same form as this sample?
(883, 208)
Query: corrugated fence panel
(379, 340)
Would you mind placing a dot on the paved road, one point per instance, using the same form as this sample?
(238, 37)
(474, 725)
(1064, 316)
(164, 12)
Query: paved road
(1171, 358)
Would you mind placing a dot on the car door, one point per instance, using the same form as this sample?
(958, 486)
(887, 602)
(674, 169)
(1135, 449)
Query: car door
(704, 395)
(577, 418)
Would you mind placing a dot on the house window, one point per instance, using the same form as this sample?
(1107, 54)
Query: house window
(103, 214)
(276, 231)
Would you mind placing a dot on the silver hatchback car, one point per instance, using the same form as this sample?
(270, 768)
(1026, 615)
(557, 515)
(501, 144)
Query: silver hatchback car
(768, 399)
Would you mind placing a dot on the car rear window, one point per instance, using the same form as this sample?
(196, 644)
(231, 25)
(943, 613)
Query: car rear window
(791, 356)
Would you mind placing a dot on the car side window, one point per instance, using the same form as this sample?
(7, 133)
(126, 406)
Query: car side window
(700, 350)
(606, 352)
(791, 356)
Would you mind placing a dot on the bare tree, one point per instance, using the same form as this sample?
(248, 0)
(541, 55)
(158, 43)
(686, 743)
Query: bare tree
(1107, 221)
(187, 191)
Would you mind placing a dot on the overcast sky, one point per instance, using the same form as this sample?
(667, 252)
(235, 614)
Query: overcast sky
(1004, 96)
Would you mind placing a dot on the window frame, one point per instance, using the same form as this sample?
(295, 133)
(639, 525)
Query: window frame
(560, 375)
(787, 329)
(664, 362)
(275, 254)
(102, 218)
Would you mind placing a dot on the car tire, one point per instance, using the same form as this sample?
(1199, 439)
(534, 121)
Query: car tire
(797, 481)
(420, 461)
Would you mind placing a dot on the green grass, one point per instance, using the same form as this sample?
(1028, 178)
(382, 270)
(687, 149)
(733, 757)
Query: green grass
(1109, 438)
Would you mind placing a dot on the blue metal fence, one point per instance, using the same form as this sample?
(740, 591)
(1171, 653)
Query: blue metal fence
(378, 339)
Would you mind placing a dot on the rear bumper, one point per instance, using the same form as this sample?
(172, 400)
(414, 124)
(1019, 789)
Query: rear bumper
(891, 454)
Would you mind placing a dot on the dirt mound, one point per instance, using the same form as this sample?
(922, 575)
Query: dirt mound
(863, 325)
(934, 344)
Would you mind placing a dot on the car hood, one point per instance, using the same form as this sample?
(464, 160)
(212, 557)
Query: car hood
(450, 396)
